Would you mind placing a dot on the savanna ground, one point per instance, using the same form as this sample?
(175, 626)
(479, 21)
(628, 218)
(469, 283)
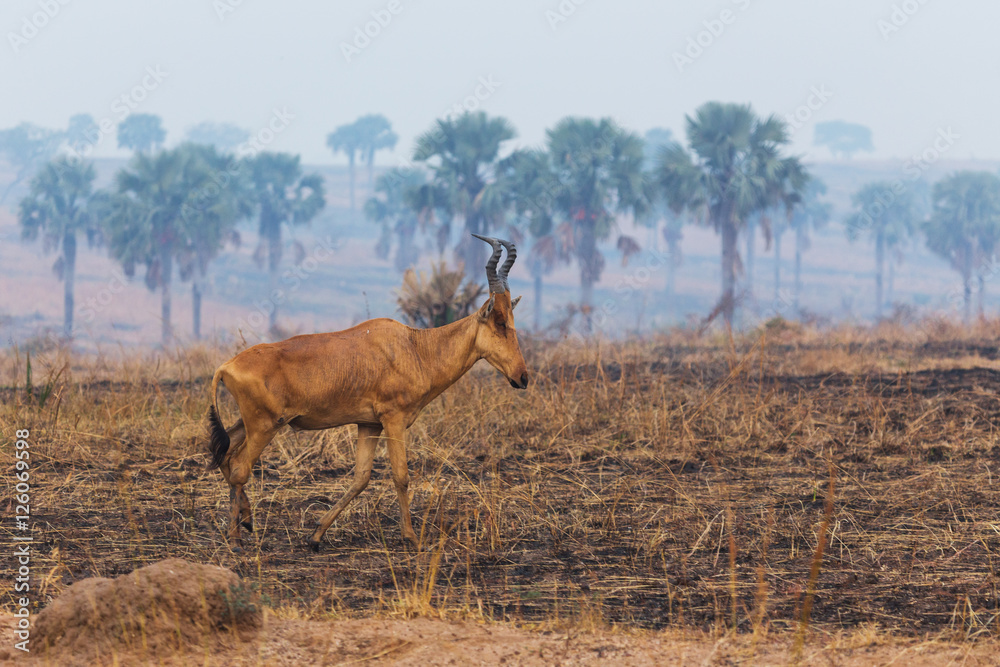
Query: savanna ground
(650, 501)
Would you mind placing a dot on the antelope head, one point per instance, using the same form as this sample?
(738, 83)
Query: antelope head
(496, 338)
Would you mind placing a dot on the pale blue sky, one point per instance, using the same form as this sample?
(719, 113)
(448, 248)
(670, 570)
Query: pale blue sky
(607, 58)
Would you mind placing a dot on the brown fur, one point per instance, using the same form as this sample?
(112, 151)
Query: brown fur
(379, 375)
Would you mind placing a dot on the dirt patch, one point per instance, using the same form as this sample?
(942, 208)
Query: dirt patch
(164, 607)
(425, 642)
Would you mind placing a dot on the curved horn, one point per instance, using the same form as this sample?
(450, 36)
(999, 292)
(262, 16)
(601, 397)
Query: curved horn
(507, 263)
(497, 286)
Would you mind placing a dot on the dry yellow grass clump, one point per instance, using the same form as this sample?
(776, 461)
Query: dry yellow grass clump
(791, 485)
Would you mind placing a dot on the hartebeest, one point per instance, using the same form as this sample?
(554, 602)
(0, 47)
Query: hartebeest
(379, 375)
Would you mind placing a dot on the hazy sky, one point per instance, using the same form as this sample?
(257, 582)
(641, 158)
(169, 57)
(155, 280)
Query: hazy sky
(238, 60)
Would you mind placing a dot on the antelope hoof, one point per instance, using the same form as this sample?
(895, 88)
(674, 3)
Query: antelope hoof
(237, 549)
(248, 524)
(314, 545)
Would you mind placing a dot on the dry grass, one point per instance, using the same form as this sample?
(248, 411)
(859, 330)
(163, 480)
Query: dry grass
(676, 482)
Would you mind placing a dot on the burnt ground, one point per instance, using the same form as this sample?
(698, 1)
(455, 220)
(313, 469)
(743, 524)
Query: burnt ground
(651, 491)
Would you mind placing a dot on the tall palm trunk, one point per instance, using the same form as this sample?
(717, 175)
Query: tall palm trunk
(196, 305)
(69, 276)
(890, 283)
(371, 167)
(879, 269)
(777, 270)
(350, 169)
(751, 237)
(800, 242)
(166, 274)
(729, 237)
(967, 282)
(273, 259)
(538, 301)
(982, 293)
(473, 252)
(674, 253)
(587, 256)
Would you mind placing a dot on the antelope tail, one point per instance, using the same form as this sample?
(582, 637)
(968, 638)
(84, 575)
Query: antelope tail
(219, 441)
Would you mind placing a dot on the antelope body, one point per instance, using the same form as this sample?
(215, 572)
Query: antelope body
(379, 375)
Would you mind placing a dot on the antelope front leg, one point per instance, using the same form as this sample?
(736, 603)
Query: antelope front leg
(367, 439)
(395, 439)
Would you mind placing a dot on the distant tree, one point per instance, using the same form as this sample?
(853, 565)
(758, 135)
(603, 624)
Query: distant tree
(26, 147)
(526, 179)
(809, 214)
(733, 170)
(669, 222)
(224, 136)
(654, 141)
(210, 219)
(141, 132)
(888, 215)
(284, 197)
(376, 135)
(597, 169)
(843, 138)
(390, 208)
(57, 209)
(964, 226)
(347, 139)
(463, 154)
(145, 217)
(82, 133)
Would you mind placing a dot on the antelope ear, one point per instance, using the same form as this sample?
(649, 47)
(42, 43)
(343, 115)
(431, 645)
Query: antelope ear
(513, 304)
(487, 308)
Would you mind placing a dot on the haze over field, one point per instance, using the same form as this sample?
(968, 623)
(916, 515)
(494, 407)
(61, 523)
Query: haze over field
(288, 75)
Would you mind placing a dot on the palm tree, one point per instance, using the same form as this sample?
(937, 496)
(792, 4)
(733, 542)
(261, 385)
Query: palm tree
(57, 208)
(887, 214)
(597, 171)
(26, 147)
(526, 179)
(809, 214)
(284, 196)
(734, 169)
(463, 153)
(964, 226)
(376, 134)
(671, 224)
(145, 219)
(210, 220)
(82, 132)
(347, 139)
(224, 136)
(390, 208)
(141, 132)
